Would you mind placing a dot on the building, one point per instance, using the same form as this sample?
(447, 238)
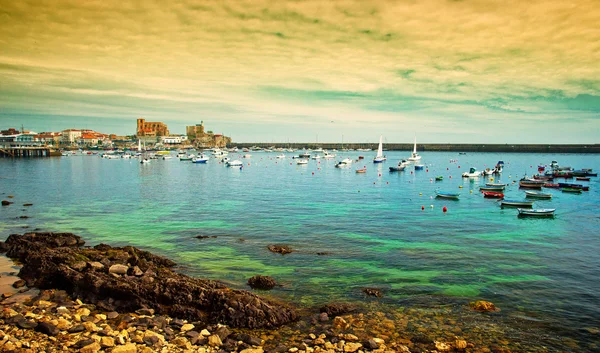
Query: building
(193, 131)
(70, 135)
(205, 139)
(151, 128)
(173, 140)
(51, 138)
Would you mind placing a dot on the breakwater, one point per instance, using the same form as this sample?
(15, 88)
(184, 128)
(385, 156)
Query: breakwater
(439, 147)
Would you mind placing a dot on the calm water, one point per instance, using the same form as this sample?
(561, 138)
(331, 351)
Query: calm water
(371, 226)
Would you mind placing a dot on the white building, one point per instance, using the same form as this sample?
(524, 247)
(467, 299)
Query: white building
(71, 135)
(173, 140)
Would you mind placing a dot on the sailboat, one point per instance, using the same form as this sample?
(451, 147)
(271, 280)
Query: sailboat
(380, 157)
(414, 156)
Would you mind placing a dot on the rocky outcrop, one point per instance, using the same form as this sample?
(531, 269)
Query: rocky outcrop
(483, 306)
(373, 292)
(262, 282)
(280, 249)
(127, 279)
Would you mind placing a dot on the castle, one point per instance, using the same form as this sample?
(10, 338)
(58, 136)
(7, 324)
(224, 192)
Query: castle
(151, 128)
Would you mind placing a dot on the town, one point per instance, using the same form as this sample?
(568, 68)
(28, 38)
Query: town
(26, 143)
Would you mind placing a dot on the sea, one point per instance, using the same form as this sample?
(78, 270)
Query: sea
(348, 230)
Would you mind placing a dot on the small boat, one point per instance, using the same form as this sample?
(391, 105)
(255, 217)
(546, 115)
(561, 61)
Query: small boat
(414, 155)
(487, 171)
(462, 153)
(531, 183)
(472, 173)
(304, 155)
(494, 184)
(439, 178)
(316, 157)
(363, 170)
(186, 157)
(493, 194)
(536, 212)
(397, 168)
(491, 188)
(516, 203)
(551, 186)
(574, 186)
(328, 155)
(145, 161)
(419, 167)
(234, 163)
(571, 190)
(247, 156)
(538, 195)
(379, 158)
(302, 161)
(200, 159)
(447, 195)
(582, 178)
(543, 177)
(344, 163)
(280, 156)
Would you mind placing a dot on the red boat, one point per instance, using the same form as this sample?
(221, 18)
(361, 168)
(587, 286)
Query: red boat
(552, 186)
(582, 178)
(493, 194)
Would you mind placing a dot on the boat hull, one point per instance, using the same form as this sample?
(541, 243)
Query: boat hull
(548, 212)
(516, 203)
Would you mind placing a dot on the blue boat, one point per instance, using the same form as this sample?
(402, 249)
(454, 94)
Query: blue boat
(447, 195)
(419, 167)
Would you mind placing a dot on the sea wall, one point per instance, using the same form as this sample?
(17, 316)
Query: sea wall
(443, 147)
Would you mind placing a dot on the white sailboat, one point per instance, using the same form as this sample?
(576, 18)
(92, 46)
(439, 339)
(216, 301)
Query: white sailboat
(380, 157)
(414, 156)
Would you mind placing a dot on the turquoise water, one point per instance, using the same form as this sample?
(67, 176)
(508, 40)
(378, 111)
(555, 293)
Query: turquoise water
(370, 226)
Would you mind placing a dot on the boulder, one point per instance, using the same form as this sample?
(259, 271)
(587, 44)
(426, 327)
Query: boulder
(335, 309)
(280, 249)
(6, 203)
(262, 282)
(483, 306)
(47, 328)
(118, 269)
(373, 292)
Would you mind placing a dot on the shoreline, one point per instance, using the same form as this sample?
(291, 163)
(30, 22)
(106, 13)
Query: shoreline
(410, 329)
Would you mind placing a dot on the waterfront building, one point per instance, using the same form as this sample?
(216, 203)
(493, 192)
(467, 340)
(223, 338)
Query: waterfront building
(205, 139)
(173, 140)
(50, 138)
(145, 128)
(70, 135)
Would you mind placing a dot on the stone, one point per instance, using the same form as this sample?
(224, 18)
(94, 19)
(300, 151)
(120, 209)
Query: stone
(145, 312)
(83, 312)
(223, 332)
(118, 269)
(95, 265)
(112, 315)
(91, 348)
(262, 282)
(373, 292)
(442, 346)
(323, 317)
(336, 309)
(19, 283)
(460, 345)
(6, 203)
(136, 271)
(483, 306)
(79, 266)
(26, 324)
(252, 350)
(106, 342)
(187, 327)
(214, 341)
(350, 337)
(205, 333)
(76, 329)
(47, 328)
(351, 347)
(27, 204)
(371, 344)
(339, 322)
(127, 348)
(181, 342)
(90, 326)
(280, 249)
(61, 310)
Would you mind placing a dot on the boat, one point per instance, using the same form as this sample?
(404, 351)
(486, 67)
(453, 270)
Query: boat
(200, 159)
(574, 186)
(363, 170)
(414, 156)
(571, 190)
(439, 178)
(516, 203)
(487, 171)
(304, 155)
(531, 183)
(316, 157)
(328, 155)
(493, 194)
(551, 186)
(491, 188)
(280, 156)
(397, 168)
(538, 195)
(463, 153)
(145, 161)
(302, 161)
(543, 177)
(167, 157)
(162, 152)
(344, 163)
(537, 212)
(188, 157)
(419, 166)
(447, 195)
(247, 156)
(582, 178)
(379, 158)
(472, 173)
(495, 184)
(234, 163)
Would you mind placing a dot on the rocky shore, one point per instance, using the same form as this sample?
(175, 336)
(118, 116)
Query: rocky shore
(109, 299)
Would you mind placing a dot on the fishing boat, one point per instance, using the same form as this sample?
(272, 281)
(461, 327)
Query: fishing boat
(571, 190)
(280, 156)
(574, 186)
(495, 184)
(516, 203)
(414, 156)
(492, 188)
(487, 171)
(531, 183)
(582, 178)
(447, 195)
(551, 186)
(536, 212)
(439, 178)
(379, 158)
(234, 163)
(344, 163)
(472, 173)
(538, 195)
(188, 157)
(363, 170)
(200, 159)
(302, 161)
(397, 168)
(493, 194)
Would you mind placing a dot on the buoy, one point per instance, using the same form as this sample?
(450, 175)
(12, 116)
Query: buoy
(379, 174)
(422, 208)
(427, 170)
(492, 179)
(387, 182)
(430, 179)
(445, 209)
(411, 172)
(447, 169)
(470, 191)
(420, 194)
(313, 173)
(431, 206)
(450, 177)
(460, 186)
(373, 182)
(458, 167)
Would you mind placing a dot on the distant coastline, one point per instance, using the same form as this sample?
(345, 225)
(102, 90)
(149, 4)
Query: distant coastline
(440, 147)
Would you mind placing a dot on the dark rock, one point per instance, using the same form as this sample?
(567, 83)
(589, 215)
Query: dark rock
(26, 324)
(150, 340)
(6, 203)
(112, 315)
(145, 311)
(229, 345)
(23, 217)
(323, 317)
(48, 258)
(223, 332)
(47, 328)
(19, 283)
(373, 292)
(370, 344)
(280, 249)
(250, 340)
(76, 329)
(336, 309)
(27, 204)
(79, 266)
(169, 332)
(192, 334)
(424, 339)
(205, 236)
(83, 343)
(279, 349)
(323, 253)
(177, 322)
(262, 282)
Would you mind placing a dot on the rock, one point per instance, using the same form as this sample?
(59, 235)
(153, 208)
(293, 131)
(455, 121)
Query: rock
(460, 345)
(336, 309)
(6, 203)
(214, 341)
(76, 329)
(339, 322)
(61, 310)
(127, 348)
(483, 306)
(280, 249)
(83, 312)
(181, 342)
(90, 327)
(205, 236)
(19, 283)
(371, 344)
(223, 332)
(441, 346)
(262, 282)
(352, 347)
(26, 324)
(136, 271)
(91, 348)
(187, 327)
(95, 265)
(252, 350)
(27, 204)
(79, 266)
(106, 342)
(118, 269)
(145, 312)
(373, 292)
(205, 333)
(47, 328)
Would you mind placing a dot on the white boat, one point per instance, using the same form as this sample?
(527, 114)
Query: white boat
(346, 162)
(472, 173)
(316, 157)
(145, 161)
(328, 155)
(200, 159)
(167, 157)
(487, 171)
(186, 157)
(280, 156)
(247, 156)
(537, 212)
(414, 156)
(234, 163)
(302, 161)
(380, 157)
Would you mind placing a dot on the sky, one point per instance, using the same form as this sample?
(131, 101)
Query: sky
(466, 71)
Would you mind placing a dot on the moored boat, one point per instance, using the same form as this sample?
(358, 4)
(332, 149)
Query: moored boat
(234, 163)
(538, 195)
(379, 158)
(493, 194)
(574, 186)
(537, 212)
(571, 190)
(582, 178)
(200, 159)
(447, 195)
(414, 155)
(439, 178)
(419, 166)
(492, 188)
(516, 203)
(472, 173)
(551, 186)
(363, 170)
(302, 161)
(344, 163)
(531, 183)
